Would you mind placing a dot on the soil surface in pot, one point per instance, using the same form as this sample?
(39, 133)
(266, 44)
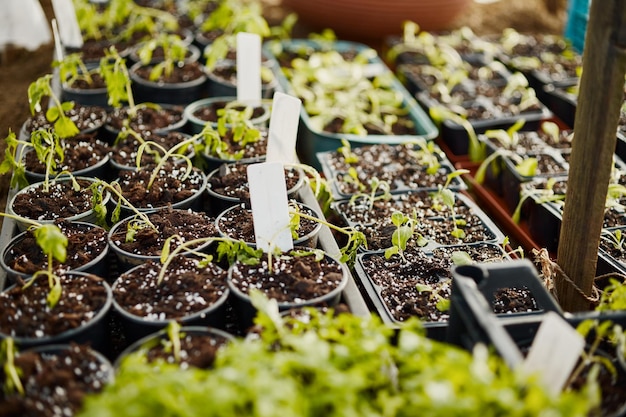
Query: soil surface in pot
(228, 75)
(172, 185)
(25, 311)
(293, 279)
(420, 284)
(187, 224)
(124, 152)
(514, 300)
(209, 112)
(84, 117)
(180, 74)
(55, 382)
(197, 349)
(61, 201)
(79, 152)
(97, 82)
(187, 288)
(234, 182)
(146, 118)
(85, 243)
(238, 223)
(402, 167)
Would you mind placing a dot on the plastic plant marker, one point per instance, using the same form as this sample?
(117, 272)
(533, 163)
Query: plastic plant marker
(249, 68)
(68, 24)
(283, 130)
(58, 48)
(268, 200)
(554, 352)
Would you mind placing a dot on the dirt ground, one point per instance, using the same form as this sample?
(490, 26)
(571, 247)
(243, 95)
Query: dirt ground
(18, 68)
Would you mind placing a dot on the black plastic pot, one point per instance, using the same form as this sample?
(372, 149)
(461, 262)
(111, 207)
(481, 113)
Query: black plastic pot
(246, 312)
(146, 91)
(196, 124)
(98, 265)
(94, 332)
(218, 85)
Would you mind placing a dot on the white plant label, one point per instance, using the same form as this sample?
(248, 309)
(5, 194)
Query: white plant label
(283, 130)
(270, 211)
(57, 40)
(69, 30)
(555, 351)
(249, 68)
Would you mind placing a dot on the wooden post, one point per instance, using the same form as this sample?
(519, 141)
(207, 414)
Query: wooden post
(597, 114)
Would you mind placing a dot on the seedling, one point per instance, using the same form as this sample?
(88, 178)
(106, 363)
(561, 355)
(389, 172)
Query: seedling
(476, 149)
(427, 155)
(72, 68)
(12, 382)
(54, 244)
(517, 84)
(345, 150)
(508, 138)
(613, 295)
(174, 53)
(13, 162)
(615, 239)
(405, 230)
(98, 189)
(443, 304)
(445, 196)
(115, 73)
(379, 191)
(539, 195)
(42, 87)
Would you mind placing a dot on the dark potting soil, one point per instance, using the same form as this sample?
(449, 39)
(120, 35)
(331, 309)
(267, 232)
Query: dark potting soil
(97, 82)
(514, 300)
(416, 286)
(85, 243)
(238, 223)
(86, 118)
(209, 112)
(196, 349)
(403, 126)
(79, 152)
(228, 75)
(294, 279)
(55, 382)
(61, 201)
(25, 311)
(403, 166)
(422, 204)
(438, 230)
(146, 118)
(187, 288)
(125, 152)
(146, 241)
(180, 74)
(234, 183)
(171, 185)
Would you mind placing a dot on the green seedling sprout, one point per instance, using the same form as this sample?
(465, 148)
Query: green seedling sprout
(42, 87)
(616, 239)
(444, 195)
(476, 148)
(613, 296)
(115, 73)
(405, 230)
(174, 335)
(54, 244)
(508, 138)
(12, 382)
(72, 68)
(97, 201)
(174, 54)
(379, 191)
(345, 150)
(602, 330)
(518, 84)
(540, 195)
(552, 130)
(13, 162)
(427, 155)
(355, 238)
(443, 304)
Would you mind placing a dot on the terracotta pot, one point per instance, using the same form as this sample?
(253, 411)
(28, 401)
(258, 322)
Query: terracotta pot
(369, 19)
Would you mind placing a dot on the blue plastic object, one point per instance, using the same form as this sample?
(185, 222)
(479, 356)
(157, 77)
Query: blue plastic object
(578, 15)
